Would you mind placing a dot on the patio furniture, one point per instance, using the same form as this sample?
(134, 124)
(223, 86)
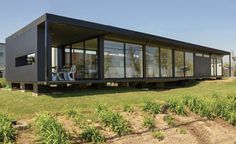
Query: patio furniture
(71, 73)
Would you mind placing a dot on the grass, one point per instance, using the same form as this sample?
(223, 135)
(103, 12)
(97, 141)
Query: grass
(23, 105)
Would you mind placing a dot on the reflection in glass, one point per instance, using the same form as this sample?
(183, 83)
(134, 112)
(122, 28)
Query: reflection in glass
(134, 60)
(113, 59)
(219, 67)
(77, 59)
(188, 64)
(152, 61)
(179, 64)
(166, 62)
(91, 62)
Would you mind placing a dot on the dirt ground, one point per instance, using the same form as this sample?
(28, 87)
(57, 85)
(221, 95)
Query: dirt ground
(197, 130)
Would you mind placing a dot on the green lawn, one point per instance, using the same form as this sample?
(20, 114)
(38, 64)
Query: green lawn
(22, 105)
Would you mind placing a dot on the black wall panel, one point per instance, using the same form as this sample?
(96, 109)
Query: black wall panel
(20, 45)
(202, 67)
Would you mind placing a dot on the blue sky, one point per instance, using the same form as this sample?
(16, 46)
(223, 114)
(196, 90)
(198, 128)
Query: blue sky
(206, 22)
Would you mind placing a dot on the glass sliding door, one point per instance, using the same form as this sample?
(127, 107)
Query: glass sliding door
(166, 62)
(78, 59)
(134, 60)
(91, 61)
(179, 64)
(213, 66)
(67, 56)
(152, 61)
(113, 59)
(219, 66)
(189, 64)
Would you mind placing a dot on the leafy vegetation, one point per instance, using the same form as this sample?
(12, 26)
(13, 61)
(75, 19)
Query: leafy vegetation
(7, 132)
(49, 130)
(3, 83)
(216, 106)
(158, 135)
(149, 122)
(128, 108)
(92, 134)
(169, 119)
(177, 107)
(113, 120)
(152, 107)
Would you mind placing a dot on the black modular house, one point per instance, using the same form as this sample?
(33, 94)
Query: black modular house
(55, 50)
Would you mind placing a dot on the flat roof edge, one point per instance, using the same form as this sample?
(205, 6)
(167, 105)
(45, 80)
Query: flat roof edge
(122, 31)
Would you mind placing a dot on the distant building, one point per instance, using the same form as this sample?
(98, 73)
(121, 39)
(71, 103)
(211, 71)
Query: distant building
(2, 59)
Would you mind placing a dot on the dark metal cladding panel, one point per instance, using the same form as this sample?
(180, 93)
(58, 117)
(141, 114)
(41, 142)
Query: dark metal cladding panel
(202, 67)
(41, 54)
(21, 45)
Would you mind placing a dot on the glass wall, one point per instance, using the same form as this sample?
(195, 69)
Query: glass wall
(188, 64)
(134, 60)
(113, 59)
(67, 56)
(152, 61)
(179, 64)
(219, 67)
(77, 59)
(91, 61)
(213, 67)
(166, 62)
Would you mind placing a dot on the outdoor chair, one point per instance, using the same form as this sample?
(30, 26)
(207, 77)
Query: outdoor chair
(71, 73)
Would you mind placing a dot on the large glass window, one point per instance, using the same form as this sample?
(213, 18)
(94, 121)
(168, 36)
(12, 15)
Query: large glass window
(179, 64)
(213, 67)
(91, 62)
(188, 64)
(166, 62)
(113, 59)
(77, 59)
(134, 60)
(67, 56)
(219, 66)
(152, 61)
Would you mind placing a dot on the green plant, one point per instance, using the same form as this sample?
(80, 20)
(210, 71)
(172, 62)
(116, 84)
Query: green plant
(158, 135)
(3, 83)
(128, 108)
(49, 130)
(92, 134)
(113, 120)
(182, 130)
(71, 111)
(152, 107)
(7, 132)
(149, 122)
(177, 107)
(169, 120)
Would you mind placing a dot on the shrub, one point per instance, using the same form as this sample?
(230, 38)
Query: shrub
(7, 132)
(169, 120)
(158, 135)
(127, 108)
(151, 107)
(3, 83)
(113, 120)
(92, 134)
(49, 130)
(149, 122)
